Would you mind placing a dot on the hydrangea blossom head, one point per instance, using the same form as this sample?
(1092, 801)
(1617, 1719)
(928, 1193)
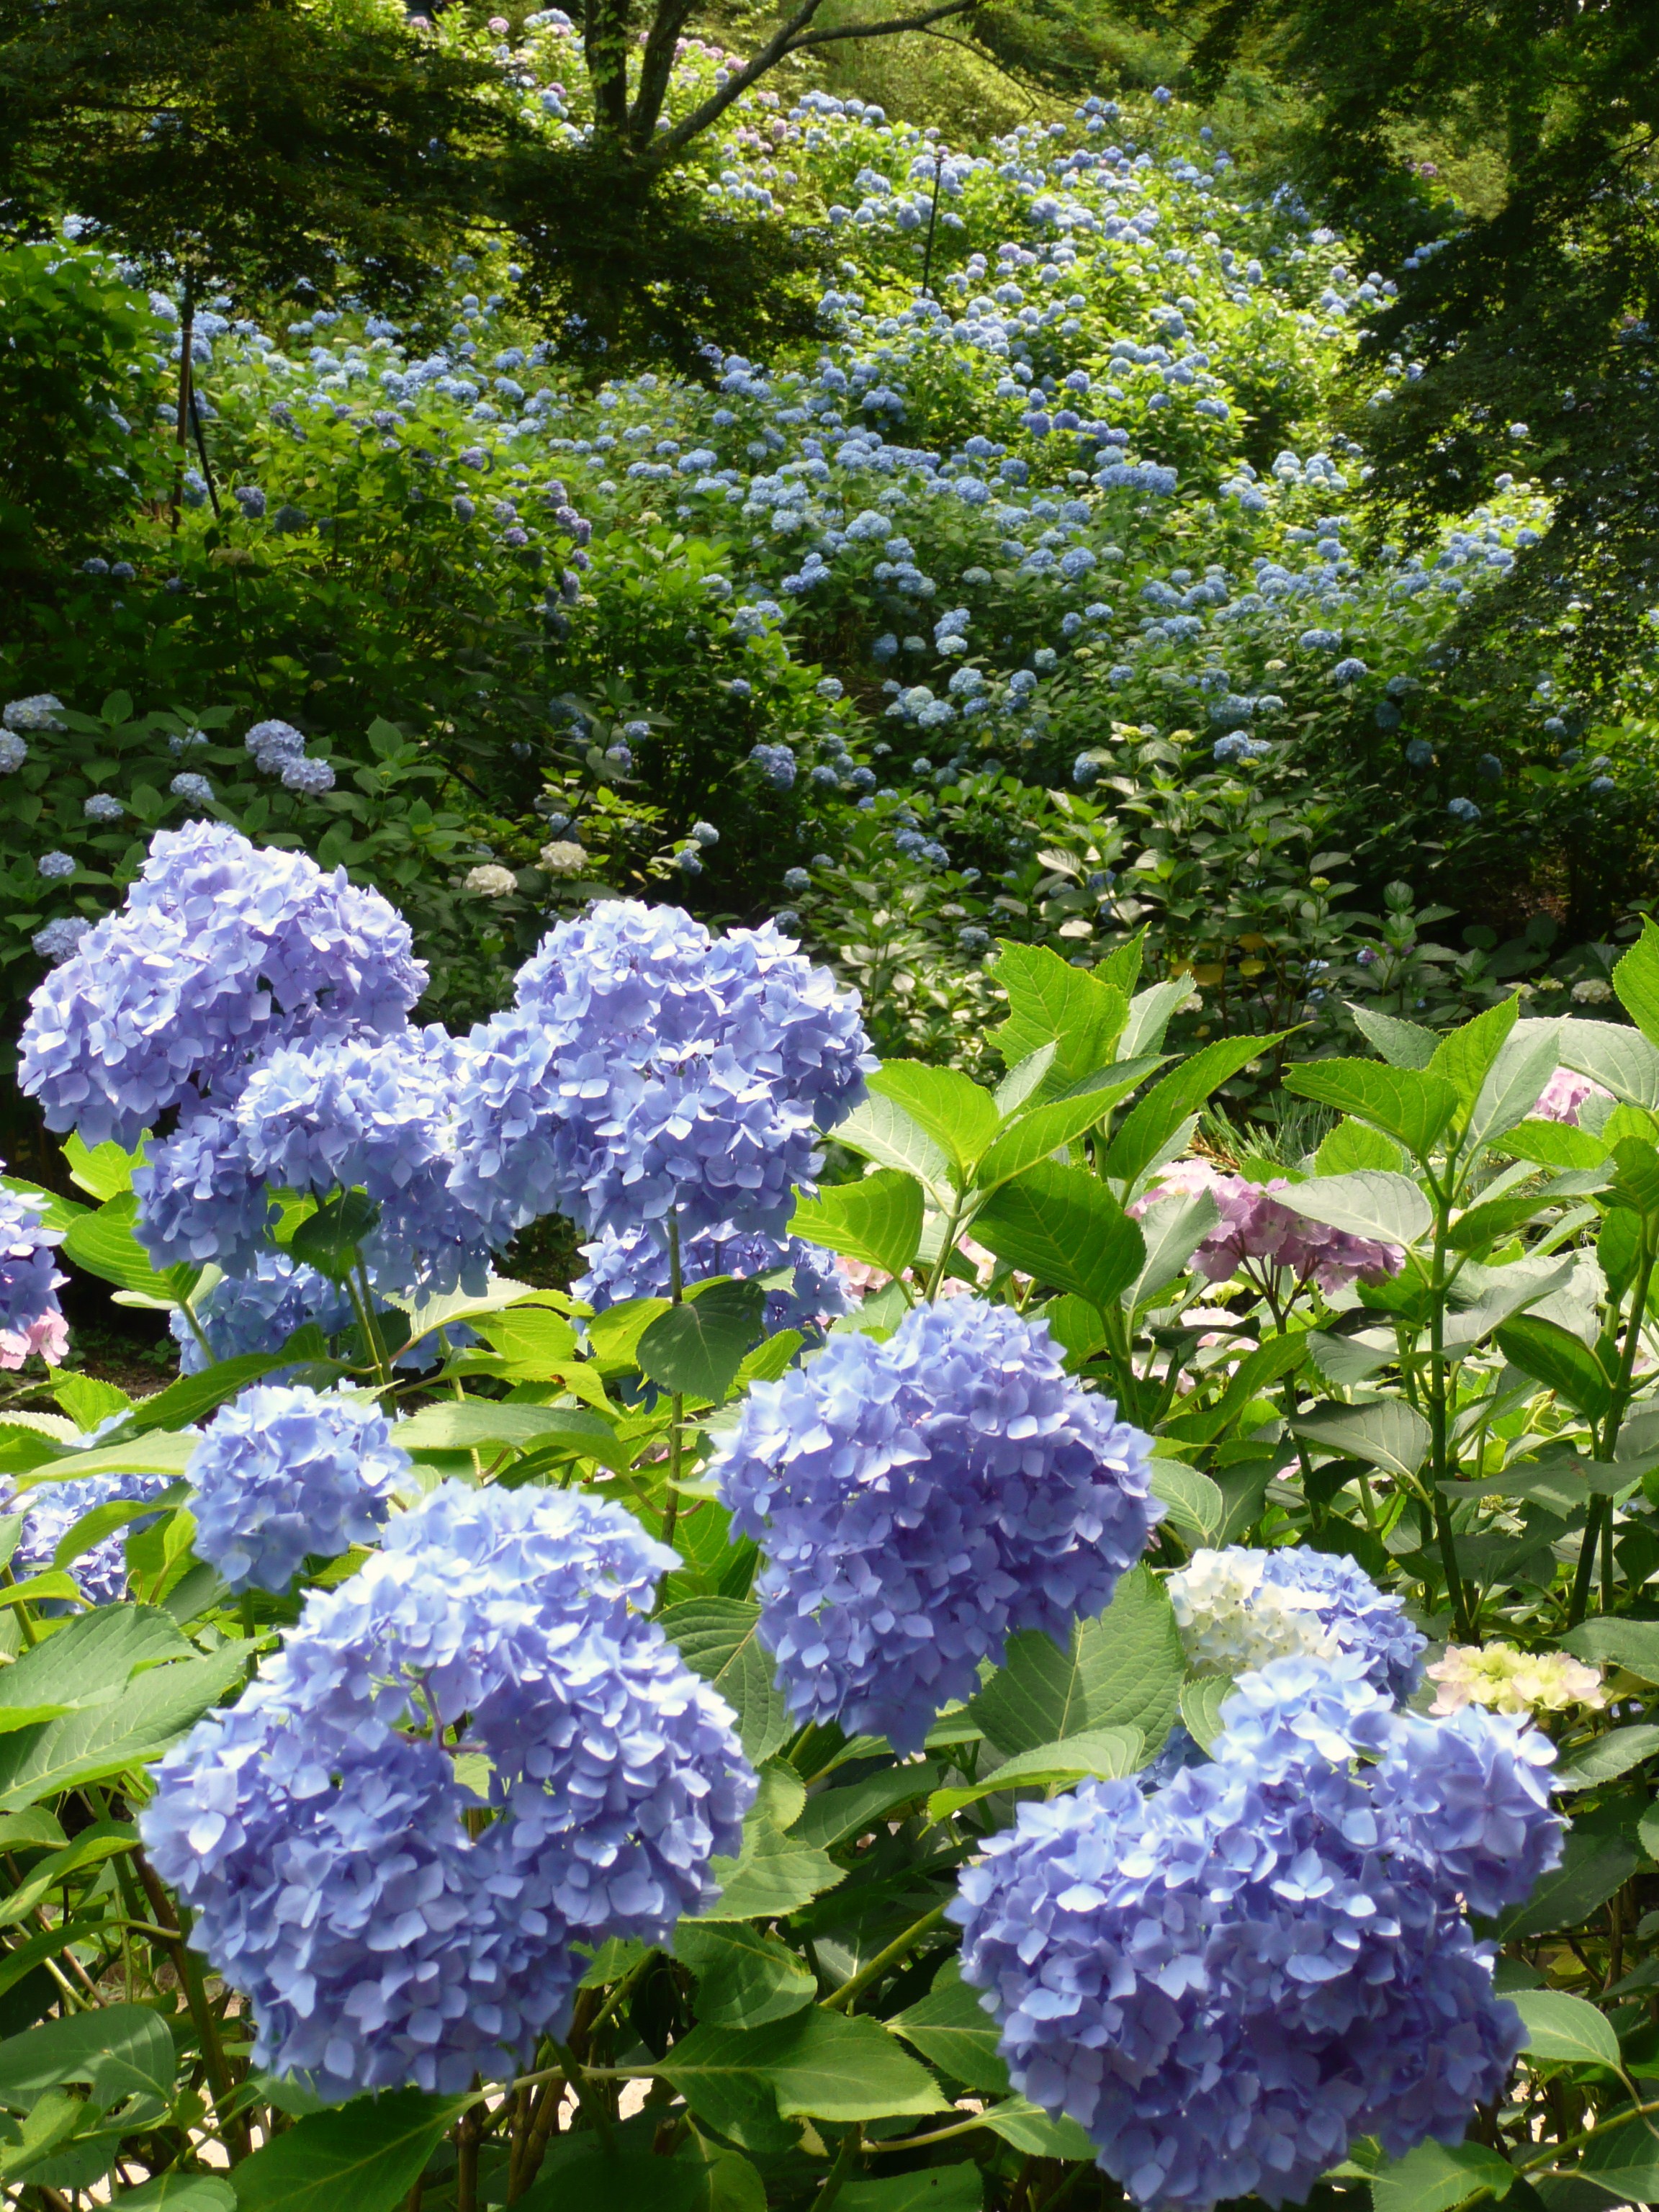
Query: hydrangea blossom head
(647, 1068)
(259, 1311)
(1227, 1978)
(51, 1509)
(1506, 1680)
(1239, 1608)
(920, 1501)
(1255, 1228)
(222, 950)
(319, 1831)
(1561, 1098)
(31, 1319)
(635, 1265)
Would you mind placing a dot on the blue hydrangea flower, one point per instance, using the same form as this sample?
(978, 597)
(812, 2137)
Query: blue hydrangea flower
(307, 775)
(634, 1264)
(273, 744)
(31, 1319)
(476, 1753)
(1240, 1608)
(259, 1311)
(58, 939)
(51, 1509)
(1228, 1978)
(195, 790)
(55, 866)
(222, 950)
(287, 1473)
(919, 1502)
(646, 1069)
(102, 806)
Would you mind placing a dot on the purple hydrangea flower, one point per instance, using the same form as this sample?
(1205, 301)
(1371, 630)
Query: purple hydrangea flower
(58, 939)
(286, 1472)
(55, 866)
(51, 1509)
(259, 1311)
(31, 1319)
(919, 1502)
(1255, 1229)
(647, 1068)
(222, 950)
(494, 1657)
(1229, 1979)
(273, 744)
(634, 1264)
(194, 790)
(1241, 1608)
(307, 775)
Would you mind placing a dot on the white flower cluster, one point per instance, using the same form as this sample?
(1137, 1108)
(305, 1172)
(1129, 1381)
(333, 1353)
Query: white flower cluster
(1230, 1620)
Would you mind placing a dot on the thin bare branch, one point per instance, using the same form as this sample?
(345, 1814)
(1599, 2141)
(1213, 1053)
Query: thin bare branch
(715, 107)
(891, 28)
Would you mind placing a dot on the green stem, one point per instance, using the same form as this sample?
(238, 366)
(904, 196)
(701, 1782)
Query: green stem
(362, 1304)
(676, 1443)
(1585, 1573)
(846, 2159)
(233, 2125)
(841, 1999)
(591, 2100)
(1439, 1464)
(197, 1329)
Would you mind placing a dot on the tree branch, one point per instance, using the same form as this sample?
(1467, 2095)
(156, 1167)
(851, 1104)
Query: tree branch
(656, 69)
(715, 107)
(890, 29)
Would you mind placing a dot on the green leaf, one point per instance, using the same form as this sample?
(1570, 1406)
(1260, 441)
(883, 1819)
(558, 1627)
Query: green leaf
(1060, 1226)
(717, 1639)
(1524, 1064)
(1149, 1016)
(1386, 1433)
(837, 1816)
(1355, 1144)
(1388, 1209)
(879, 1129)
(367, 2155)
(473, 1423)
(773, 1875)
(186, 1400)
(1493, 1223)
(1044, 1129)
(695, 1349)
(1107, 1753)
(1564, 2027)
(745, 1979)
(1149, 1124)
(1201, 1700)
(1633, 1645)
(816, 2065)
(1554, 1145)
(953, 2032)
(959, 2188)
(1622, 1061)
(1465, 1056)
(101, 1840)
(876, 1220)
(582, 2170)
(1636, 979)
(87, 1662)
(331, 1238)
(1171, 1229)
(119, 2050)
(1607, 1757)
(1124, 1669)
(1196, 1506)
(1625, 2162)
(1594, 1865)
(1435, 2177)
(1402, 1044)
(87, 1400)
(156, 1709)
(179, 2192)
(1032, 2130)
(103, 1244)
(1411, 1107)
(105, 1172)
(1024, 1080)
(1049, 1001)
(953, 1109)
(1553, 1355)
(158, 1453)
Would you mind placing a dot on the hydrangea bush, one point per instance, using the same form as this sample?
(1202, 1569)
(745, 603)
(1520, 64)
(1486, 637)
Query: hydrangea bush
(975, 1646)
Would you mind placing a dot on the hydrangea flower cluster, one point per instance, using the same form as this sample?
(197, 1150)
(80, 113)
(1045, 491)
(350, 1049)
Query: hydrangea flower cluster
(259, 1311)
(1510, 1681)
(1563, 1096)
(1238, 1609)
(393, 1915)
(222, 950)
(284, 1474)
(1255, 1229)
(635, 1265)
(1229, 1979)
(919, 1502)
(51, 1509)
(31, 1319)
(647, 1069)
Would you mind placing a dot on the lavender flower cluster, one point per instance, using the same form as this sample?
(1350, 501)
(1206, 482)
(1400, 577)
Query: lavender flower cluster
(634, 1264)
(31, 1319)
(1227, 1981)
(646, 1070)
(1255, 1228)
(473, 1755)
(284, 1472)
(51, 1509)
(258, 1312)
(919, 1502)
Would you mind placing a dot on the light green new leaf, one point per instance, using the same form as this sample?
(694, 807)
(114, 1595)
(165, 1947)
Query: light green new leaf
(1560, 2026)
(1355, 1144)
(179, 2192)
(1201, 1700)
(1061, 1226)
(1149, 1124)
(876, 1220)
(1465, 1056)
(1387, 1433)
(952, 2031)
(1107, 1753)
(1388, 1209)
(368, 2156)
(1049, 1001)
(879, 1129)
(1044, 1129)
(103, 1172)
(1435, 2177)
(1554, 1145)
(1196, 1506)
(1032, 2130)
(475, 1424)
(1402, 1044)
(1405, 1103)
(717, 1639)
(103, 1840)
(960, 1116)
(1149, 1016)
(103, 1244)
(1024, 1080)
(1636, 979)
(1493, 1223)
(773, 1875)
(1124, 1669)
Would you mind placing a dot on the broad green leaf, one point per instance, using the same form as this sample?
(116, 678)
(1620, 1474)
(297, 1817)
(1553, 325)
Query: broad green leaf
(876, 1220)
(773, 1875)
(837, 1816)
(1387, 1433)
(1024, 1080)
(958, 2188)
(1405, 1103)
(1625, 2163)
(88, 1661)
(613, 1336)
(583, 2172)
(815, 2065)
(1049, 1001)
(1554, 1145)
(1201, 1700)
(1434, 2178)
(953, 1109)
(87, 1400)
(1607, 1757)
(1565, 2027)
(1388, 1209)
(879, 1129)
(476, 1423)
(1465, 1056)
(1061, 1226)
(1171, 1229)
(768, 1360)
(103, 1840)
(154, 1710)
(745, 1979)
(695, 1349)
(1622, 1061)
(428, 1315)
(192, 1396)
(160, 1453)
(1038, 2133)
(1594, 1865)
(367, 2155)
(1149, 1017)
(55, 1212)
(1493, 1223)
(103, 1172)
(717, 1639)
(179, 2192)
(119, 2050)
(1149, 1124)
(103, 1244)
(1524, 1064)
(1044, 1129)
(952, 2032)
(1636, 979)
(1196, 1506)
(330, 1239)
(1355, 1144)
(1561, 1361)
(1268, 1364)
(1633, 1645)
(1637, 1164)
(1402, 1044)
(58, 2127)
(1124, 1669)
(1107, 1753)
(1348, 1361)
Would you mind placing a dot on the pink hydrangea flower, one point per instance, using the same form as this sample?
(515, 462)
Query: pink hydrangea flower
(1564, 1095)
(49, 1336)
(1255, 1228)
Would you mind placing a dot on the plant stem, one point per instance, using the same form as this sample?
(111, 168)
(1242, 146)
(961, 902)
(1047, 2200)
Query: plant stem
(846, 2159)
(841, 1999)
(362, 1302)
(676, 1446)
(590, 2099)
(233, 2125)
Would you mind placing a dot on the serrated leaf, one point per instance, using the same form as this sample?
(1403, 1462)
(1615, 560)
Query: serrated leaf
(1405, 1103)
(1609, 1642)
(960, 1117)
(1051, 1002)
(1124, 1669)
(1563, 2027)
(1593, 1866)
(1038, 2133)
(815, 2065)
(103, 1244)
(1606, 1757)
(837, 1816)
(1061, 1226)
(1387, 1209)
(119, 2051)
(1353, 1144)
(1201, 1700)
(1152, 1120)
(1387, 1433)
(953, 2032)
(958, 2188)
(88, 1661)
(695, 1349)
(876, 1220)
(154, 1710)
(773, 1875)
(1523, 1065)
(1104, 1753)
(179, 2192)
(1554, 1145)
(1465, 1056)
(1436, 2177)
(717, 1640)
(1402, 1044)
(186, 1401)
(1636, 980)
(367, 2155)
(1622, 1061)
(103, 1172)
(1553, 1355)
(92, 1846)
(1149, 1016)
(1495, 1222)
(330, 1239)
(1044, 1129)
(1171, 1229)
(745, 1979)
(879, 1129)
(1625, 2163)
(1196, 1506)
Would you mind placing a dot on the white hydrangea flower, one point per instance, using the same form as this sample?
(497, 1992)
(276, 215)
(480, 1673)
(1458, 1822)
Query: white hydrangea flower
(1230, 1620)
(491, 880)
(563, 857)
(1512, 1682)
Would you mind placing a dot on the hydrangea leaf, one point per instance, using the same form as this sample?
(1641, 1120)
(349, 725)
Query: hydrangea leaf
(87, 1662)
(469, 1424)
(1636, 979)
(103, 1172)
(368, 2154)
(1622, 1061)
(1149, 1016)
(876, 1220)
(1383, 1209)
(880, 1129)
(1044, 1129)
(774, 1874)
(1038, 2133)
(958, 2188)
(1554, 1145)
(192, 1395)
(817, 2065)
(1625, 2163)
(1565, 2027)
(1523, 1066)
(745, 1979)
(1465, 1056)
(953, 2032)
(1354, 1144)
(119, 2050)
(1051, 1002)
(1410, 1106)
(583, 2170)
(1101, 1754)
(180, 2192)
(104, 1839)
(1633, 1645)
(837, 1816)
(1553, 1355)
(695, 1349)
(1196, 1506)
(1125, 1669)
(151, 1713)
(953, 1109)
(1201, 1700)
(717, 1640)
(1149, 1126)
(103, 1244)
(1606, 1757)
(330, 1239)
(1387, 1433)
(1595, 1862)
(1061, 1226)
(1402, 1044)
(1172, 1231)
(1435, 2177)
